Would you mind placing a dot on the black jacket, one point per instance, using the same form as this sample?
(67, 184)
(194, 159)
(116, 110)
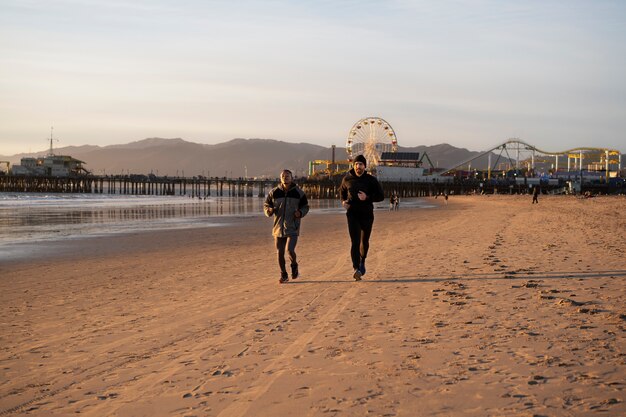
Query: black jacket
(350, 187)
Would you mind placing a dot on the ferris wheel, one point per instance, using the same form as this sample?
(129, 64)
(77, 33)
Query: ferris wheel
(371, 137)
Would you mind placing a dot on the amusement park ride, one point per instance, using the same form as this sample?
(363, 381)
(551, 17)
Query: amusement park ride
(518, 156)
(370, 137)
(374, 138)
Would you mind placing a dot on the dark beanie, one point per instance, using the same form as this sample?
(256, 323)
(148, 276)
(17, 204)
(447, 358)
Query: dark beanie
(361, 158)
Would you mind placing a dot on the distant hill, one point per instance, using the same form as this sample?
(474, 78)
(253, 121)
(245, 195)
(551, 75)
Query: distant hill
(237, 157)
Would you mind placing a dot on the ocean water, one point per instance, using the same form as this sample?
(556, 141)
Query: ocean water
(29, 220)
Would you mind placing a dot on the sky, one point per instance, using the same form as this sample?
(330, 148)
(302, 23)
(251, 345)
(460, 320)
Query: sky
(471, 73)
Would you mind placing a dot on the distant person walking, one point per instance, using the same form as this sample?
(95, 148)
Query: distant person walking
(535, 195)
(287, 203)
(359, 191)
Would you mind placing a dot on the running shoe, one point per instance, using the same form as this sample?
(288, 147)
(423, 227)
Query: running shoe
(294, 271)
(357, 275)
(283, 277)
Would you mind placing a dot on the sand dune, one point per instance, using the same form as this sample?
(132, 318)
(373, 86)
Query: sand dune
(486, 306)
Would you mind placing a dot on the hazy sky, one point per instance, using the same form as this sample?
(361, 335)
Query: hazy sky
(469, 73)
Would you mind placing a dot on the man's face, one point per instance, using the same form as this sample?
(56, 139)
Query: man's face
(286, 178)
(359, 168)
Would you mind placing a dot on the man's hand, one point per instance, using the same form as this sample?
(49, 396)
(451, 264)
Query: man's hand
(297, 214)
(270, 211)
(362, 196)
(345, 204)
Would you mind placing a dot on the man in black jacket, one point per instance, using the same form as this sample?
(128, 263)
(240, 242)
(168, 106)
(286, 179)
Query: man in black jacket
(359, 191)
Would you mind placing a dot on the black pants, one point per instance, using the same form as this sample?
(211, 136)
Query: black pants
(289, 242)
(360, 229)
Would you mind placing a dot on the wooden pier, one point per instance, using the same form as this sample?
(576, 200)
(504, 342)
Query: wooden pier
(202, 187)
(137, 185)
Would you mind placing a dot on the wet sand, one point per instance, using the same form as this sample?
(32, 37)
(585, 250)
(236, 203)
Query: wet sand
(485, 306)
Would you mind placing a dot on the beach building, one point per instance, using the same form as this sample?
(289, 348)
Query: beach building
(50, 165)
(405, 167)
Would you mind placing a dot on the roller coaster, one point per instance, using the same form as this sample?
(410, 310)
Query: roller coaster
(518, 156)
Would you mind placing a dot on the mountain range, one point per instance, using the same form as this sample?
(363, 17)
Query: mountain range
(234, 158)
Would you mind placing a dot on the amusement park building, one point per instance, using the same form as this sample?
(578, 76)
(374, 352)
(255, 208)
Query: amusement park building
(405, 167)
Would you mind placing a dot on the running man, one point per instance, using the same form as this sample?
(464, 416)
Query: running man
(287, 203)
(359, 191)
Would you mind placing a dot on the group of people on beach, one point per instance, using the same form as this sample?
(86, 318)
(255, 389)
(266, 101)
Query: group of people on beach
(287, 204)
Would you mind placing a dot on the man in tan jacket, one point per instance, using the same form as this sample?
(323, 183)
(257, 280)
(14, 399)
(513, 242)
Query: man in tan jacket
(288, 204)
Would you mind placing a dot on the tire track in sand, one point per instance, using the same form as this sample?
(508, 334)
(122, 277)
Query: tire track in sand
(236, 323)
(237, 318)
(278, 366)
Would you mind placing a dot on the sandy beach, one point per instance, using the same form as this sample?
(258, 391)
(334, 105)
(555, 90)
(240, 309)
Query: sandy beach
(486, 306)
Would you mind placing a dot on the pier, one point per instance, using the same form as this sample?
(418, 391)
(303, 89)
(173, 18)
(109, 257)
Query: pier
(138, 185)
(202, 187)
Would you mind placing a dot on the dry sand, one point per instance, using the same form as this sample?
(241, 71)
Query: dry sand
(489, 306)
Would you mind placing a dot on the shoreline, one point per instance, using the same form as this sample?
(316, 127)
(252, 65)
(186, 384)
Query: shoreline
(485, 306)
(40, 231)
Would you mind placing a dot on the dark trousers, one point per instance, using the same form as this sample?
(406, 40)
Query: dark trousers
(360, 229)
(288, 242)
